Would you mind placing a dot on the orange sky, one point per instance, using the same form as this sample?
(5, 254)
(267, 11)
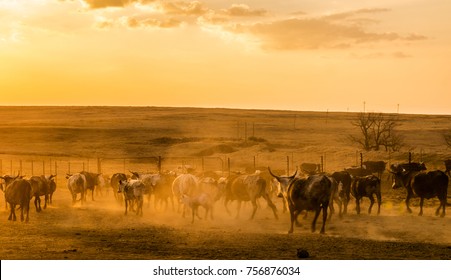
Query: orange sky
(291, 54)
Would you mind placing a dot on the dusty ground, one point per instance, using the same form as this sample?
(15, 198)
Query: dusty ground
(99, 230)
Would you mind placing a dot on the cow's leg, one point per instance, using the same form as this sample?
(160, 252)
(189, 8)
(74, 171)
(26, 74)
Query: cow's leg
(126, 206)
(254, 210)
(357, 205)
(37, 203)
(92, 194)
(10, 217)
(21, 213)
(226, 203)
(46, 198)
(331, 207)
(421, 206)
(379, 202)
(346, 202)
(13, 211)
(272, 206)
(293, 216)
(323, 227)
(371, 203)
(317, 211)
(238, 207)
(437, 212)
(407, 203)
(27, 208)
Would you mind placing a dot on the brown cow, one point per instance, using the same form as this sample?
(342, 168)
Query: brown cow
(39, 187)
(17, 192)
(248, 188)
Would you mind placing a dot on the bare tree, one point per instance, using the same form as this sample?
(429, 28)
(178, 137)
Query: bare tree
(364, 122)
(377, 129)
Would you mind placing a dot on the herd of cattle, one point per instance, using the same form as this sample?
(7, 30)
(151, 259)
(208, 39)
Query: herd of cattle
(308, 190)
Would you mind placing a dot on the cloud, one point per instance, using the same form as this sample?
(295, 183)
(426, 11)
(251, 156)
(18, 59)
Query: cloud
(193, 8)
(99, 4)
(152, 22)
(326, 32)
(242, 10)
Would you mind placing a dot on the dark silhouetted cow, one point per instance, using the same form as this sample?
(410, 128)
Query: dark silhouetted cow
(310, 194)
(423, 185)
(367, 186)
(377, 167)
(344, 193)
(17, 192)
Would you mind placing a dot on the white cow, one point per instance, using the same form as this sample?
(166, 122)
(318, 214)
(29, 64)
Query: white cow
(185, 184)
(204, 199)
(133, 191)
(77, 184)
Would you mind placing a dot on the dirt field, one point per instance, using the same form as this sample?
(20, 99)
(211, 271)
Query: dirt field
(99, 229)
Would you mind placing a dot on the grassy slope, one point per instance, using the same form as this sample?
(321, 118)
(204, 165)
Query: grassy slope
(90, 132)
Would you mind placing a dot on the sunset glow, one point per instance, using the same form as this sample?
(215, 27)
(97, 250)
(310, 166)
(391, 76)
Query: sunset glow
(290, 55)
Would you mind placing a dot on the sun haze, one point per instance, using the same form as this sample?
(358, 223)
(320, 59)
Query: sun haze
(347, 55)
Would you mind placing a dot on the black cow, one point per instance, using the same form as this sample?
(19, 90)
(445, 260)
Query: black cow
(313, 193)
(344, 193)
(406, 166)
(358, 171)
(310, 168)
(423, 185)
(448, 166)
(375, 167)
(367, 187)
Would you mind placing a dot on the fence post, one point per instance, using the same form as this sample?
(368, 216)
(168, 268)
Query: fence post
(1, 167)
(12, 168)
(322, 164)
(228, 165)
(56, 168)
(32, 168)
(20, 167)
(68, 167)
(288, 165)
(255, 167)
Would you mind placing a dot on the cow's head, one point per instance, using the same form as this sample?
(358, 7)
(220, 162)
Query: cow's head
(122, 186)
(284, 182)
(400, 178)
